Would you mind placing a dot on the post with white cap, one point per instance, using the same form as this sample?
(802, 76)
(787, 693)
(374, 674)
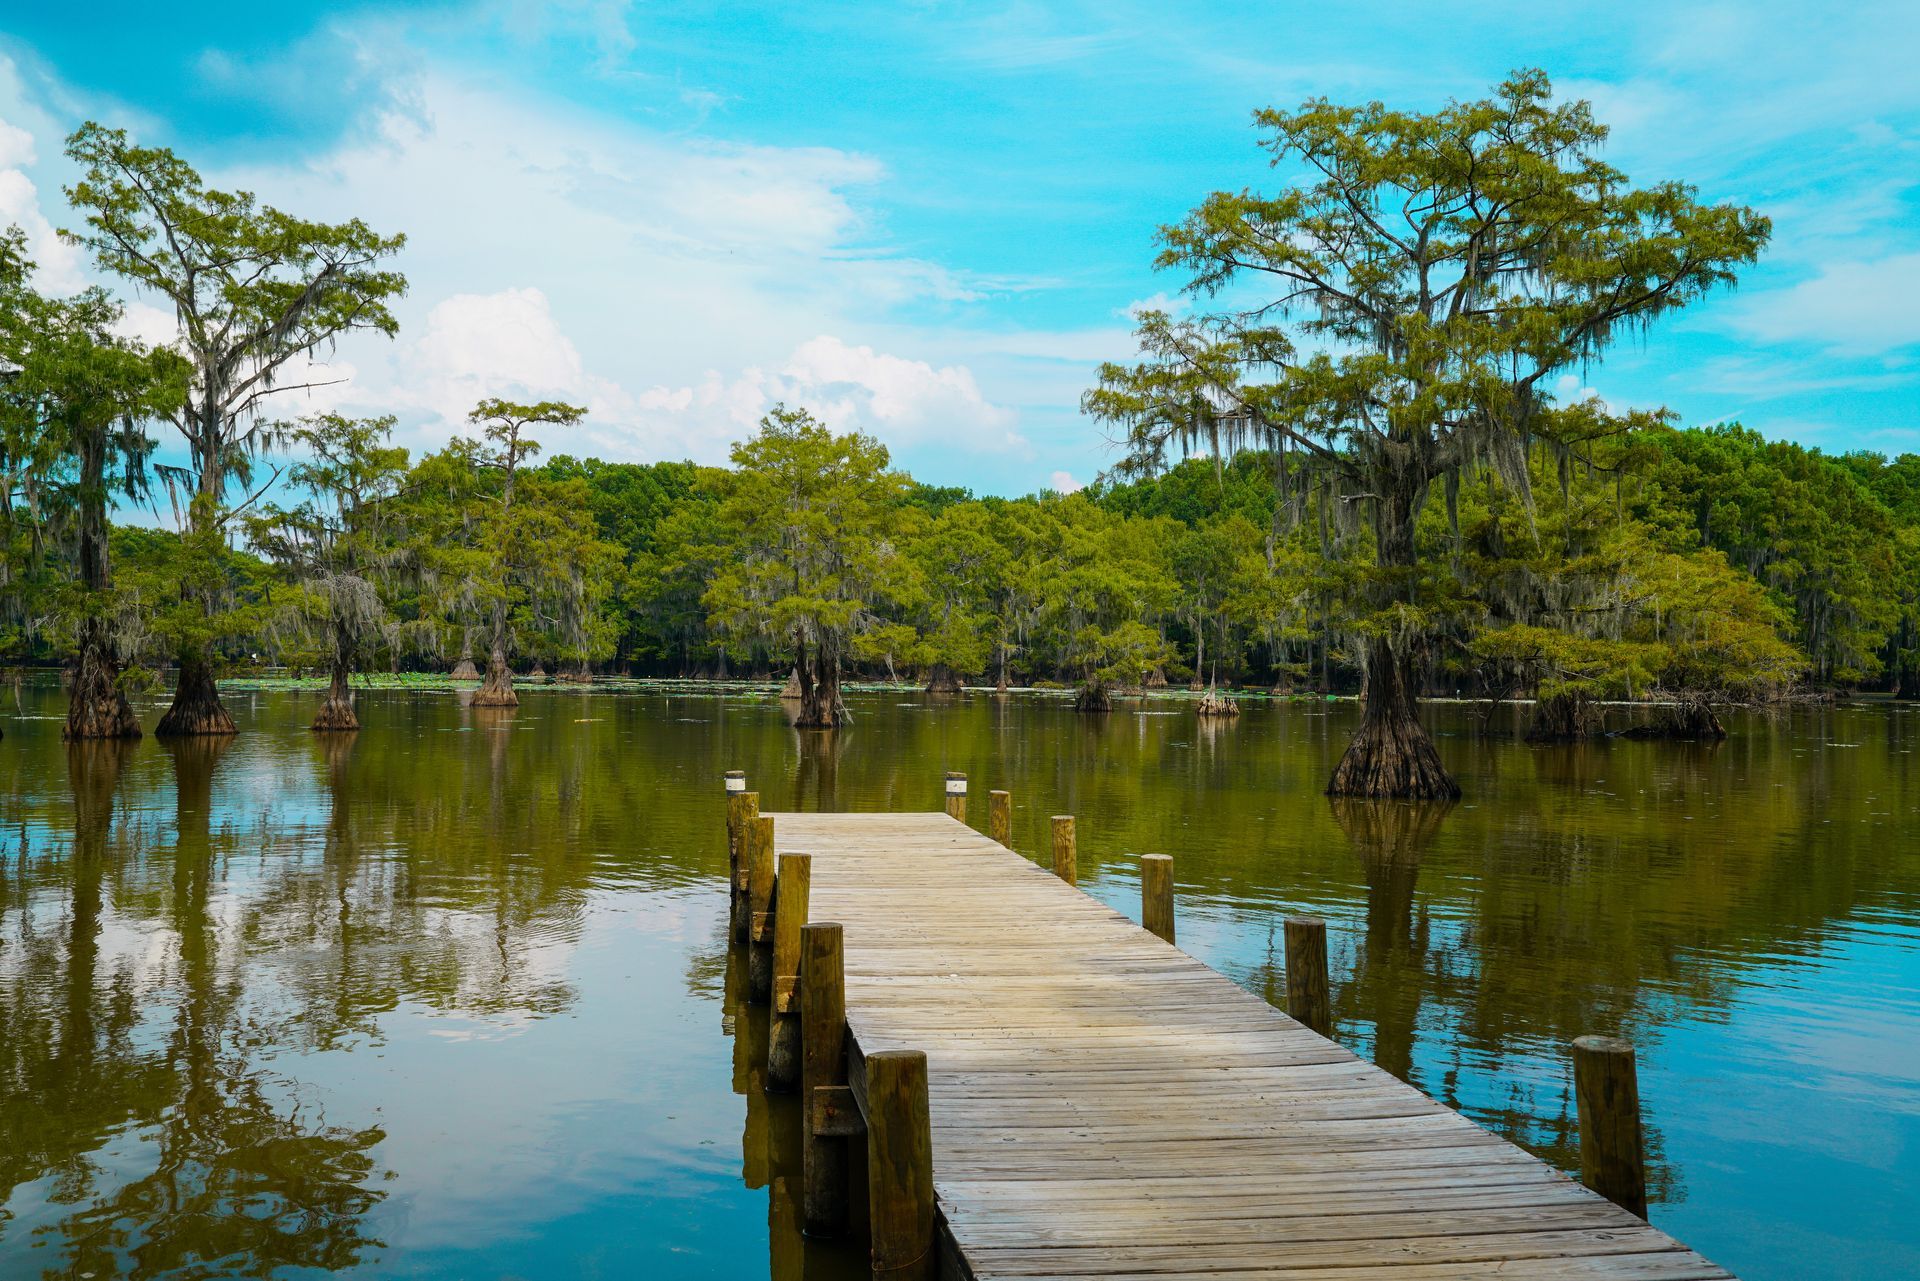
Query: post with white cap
(957, 795)
(736, 785)
(746, 833)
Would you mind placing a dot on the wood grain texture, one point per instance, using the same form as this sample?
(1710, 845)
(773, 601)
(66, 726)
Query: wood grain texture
(1102, 1105)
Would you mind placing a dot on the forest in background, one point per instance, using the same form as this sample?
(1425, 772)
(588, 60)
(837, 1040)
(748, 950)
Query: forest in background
(1699, 560)
(1343, 466)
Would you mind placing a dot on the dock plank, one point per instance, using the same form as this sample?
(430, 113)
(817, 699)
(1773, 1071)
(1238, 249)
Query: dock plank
(1104, 1105)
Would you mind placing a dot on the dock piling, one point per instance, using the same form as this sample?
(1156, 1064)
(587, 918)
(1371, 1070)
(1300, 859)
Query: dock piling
(760, 911)
(900, 1207)
(823, 1068)
(1000, 817)
(1156, 894)
(956, 795)
(1065, 857)
(1606, 1090)
(1308, 999)
(744, 832)
(792, 887)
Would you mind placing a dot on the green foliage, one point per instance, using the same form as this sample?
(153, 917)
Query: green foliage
(344, 545)
(810, 521)
(1389, 320)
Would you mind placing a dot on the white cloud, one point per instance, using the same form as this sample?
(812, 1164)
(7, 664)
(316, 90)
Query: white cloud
(906, 396)
(58, 263)
(563, 257)
(1063, 482)
(1862, 307)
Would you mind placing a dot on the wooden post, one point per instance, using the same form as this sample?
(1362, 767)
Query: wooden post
(823, 1065)
(957, 795)
(746, 833)
(1065, 859)
(1156, 894)
(1000, 817)
(900, 1166)
(1606, 1088)
(1307, 990)
(791, 889)
(735, 781)
(760, 912)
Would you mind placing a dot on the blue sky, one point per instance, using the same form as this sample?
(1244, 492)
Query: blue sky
(929, 221)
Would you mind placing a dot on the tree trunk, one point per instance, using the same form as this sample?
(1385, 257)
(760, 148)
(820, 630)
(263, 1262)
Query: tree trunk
(1391, 756)
(497, 689)
(819, 672)
(942, 680)
(96, 705)
(1000, 681)
(196, 706)
(1093, 697)
(337, 712)
(1565, 718)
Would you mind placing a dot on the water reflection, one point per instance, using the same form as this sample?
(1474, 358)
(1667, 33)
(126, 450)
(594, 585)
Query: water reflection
(1390, 973)
(450, 997)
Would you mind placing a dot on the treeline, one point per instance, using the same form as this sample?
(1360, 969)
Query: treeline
(1699, 561)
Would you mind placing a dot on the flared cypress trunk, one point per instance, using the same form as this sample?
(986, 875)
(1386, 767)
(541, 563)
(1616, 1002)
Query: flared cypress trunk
(196, 709)
(96, 705)
(337, 712)
(942, 680)
(819, 673)
(1391, 755)
(497, 689)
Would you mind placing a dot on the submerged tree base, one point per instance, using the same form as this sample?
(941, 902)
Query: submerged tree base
(943, 680)
(497, 690)
(1691, 720)
(1393, 757)
(1565, 718)
(197, 711)
(1217, 704)
(1093, 698)
(98, 708)
(336, 713)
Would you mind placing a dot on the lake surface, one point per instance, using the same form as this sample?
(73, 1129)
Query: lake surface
(451, 997)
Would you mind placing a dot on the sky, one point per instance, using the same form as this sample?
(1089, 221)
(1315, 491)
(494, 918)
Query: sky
(932, 221)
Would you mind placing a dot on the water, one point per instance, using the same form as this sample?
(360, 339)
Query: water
(450, 997)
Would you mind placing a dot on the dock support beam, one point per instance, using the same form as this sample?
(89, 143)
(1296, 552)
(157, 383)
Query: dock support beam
(1606, 1088)
(956, 795)
(823, 1067)
(1065, 857)
(1156, 894)
(760, 911)
(1000, 817)
(900, 1166)
(1308, 999)
(743, 811)
(792, 887)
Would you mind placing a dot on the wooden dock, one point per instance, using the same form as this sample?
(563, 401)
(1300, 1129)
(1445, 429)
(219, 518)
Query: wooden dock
(1103, 1105)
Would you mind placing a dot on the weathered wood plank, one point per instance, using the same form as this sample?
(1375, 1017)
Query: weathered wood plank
(1103, 1105)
